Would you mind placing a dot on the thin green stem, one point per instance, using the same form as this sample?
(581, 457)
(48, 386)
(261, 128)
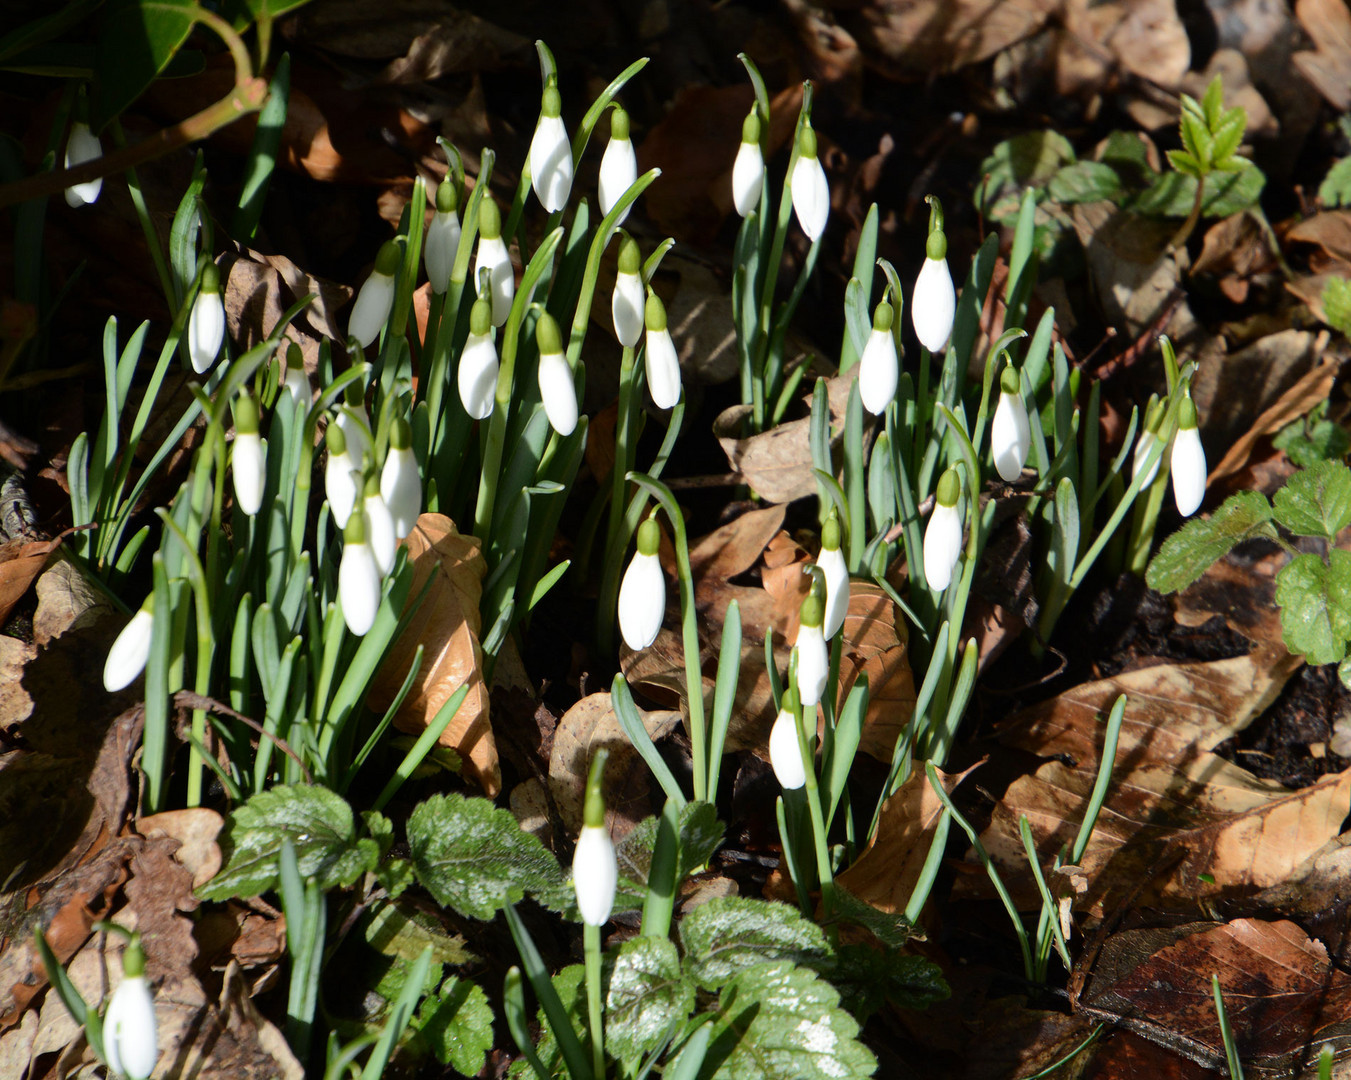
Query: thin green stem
(591, 945)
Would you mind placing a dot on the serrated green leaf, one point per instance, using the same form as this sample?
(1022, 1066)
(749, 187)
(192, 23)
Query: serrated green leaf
(867, 977)
(1212, 103)
(1316, 501)
(730, 934)
(1084, 181)
(1315, 601)
(1312, 439)
(892, 930)
(1185, 163)
(474, 857)
(1335, 190)
(1197, 140)
(1190, 551)
(1173, 194)
(1229, 134)
(648, 994)
(700, 835)
(381, 830)
(318, 823)
(399, 929)
(395, 875)
(780, 1022)
(456, 1024)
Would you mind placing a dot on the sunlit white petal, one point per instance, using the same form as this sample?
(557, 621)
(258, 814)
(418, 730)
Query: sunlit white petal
(748, 178)
(558, 392)
(477, 377)
(785, 753)
(248, 466)
(551, 163)
(340, 487)
(626, 308)
(942, 546)
(82, 145)
(813, 664)
(934, 305)
(492, 255)
(443, 239)
(879, 371)
(1010, 436)
(595, 874)
(1189, 471)
(206, 330)
(663, 369)
(618, 171)
(371, 311)
(359, 587)
(127, 658)
(831, 562)
(130, 1035)
(401, 488)
(642, 601)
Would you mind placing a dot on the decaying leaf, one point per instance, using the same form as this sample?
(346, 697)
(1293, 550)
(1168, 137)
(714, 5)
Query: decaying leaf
(1328, 65)
(447, 627)
(20, 564)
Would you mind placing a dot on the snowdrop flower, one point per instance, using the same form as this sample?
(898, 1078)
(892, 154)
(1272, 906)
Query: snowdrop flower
(785, 752)
(618, 166)
(642, 594)
(296, 381)
(1149, 438)
(943, 534)
(934, 303)
(748, 172)
(339, 487)
(551, 153)
(248, 459)
(595, 870)
(1188, 461)
(477, 377)
(492, 256)
(127, 658)
(556, 387)
(376, 298)
(813, 658)
(626, 303)
(811, 192)
(1010, 432)
(82, 145)
(831, 562)
(358, 576)
(879, 369)
(443, 237)
(355, 422)
(130, 1039)
(659, 358)
(206, 324)
(400, 482)
(379, 525)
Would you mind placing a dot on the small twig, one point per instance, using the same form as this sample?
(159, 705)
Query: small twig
(186, 699)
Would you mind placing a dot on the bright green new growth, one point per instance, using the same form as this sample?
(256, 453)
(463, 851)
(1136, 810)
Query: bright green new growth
(1008, 380)
(547, 337)
(354, 396)
(619, 123)
(481, 317)
(883, 316)
(1337, 304)
(593, 809)
(447, 197)
(654, 313)
(1154, 417)
(806, 142)
(489, 220)
(1211, 135)
(387, 261)
(750, 127)
(551, 102)
(630, 256)
(335, 440)
(246, 414)
(949, 487)
(400, 434)
(649, 536)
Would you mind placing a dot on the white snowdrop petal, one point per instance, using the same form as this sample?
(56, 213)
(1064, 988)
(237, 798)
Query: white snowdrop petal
(298, 386)
(933, 305)
(813, 665)
(831, 562)
(626, 308)
(359, 587)
(942, 546)
(372, 308)
(551, 163)
(1010, 436)
(492, 255)
(248, 467)
(356, 425)
(663, 369)
(785, 754)
(879, 371)
(81, 146)
(1189, 471)
(1143, 445)
(129, 653)
(642, 601)
(130, 1034)
(618, 171)
(401, 488)
(811, 196)
(206, 330)
(477, 377)
(438, 254)
(595, 874)
(748, 178)
(340, 487)
(380, 533)
(558, 392)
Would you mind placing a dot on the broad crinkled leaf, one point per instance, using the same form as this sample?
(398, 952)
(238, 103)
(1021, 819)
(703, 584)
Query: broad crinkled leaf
(1315, 600)
(318, 823)
(1316, 501)
(1190, 551)
(700, 835)
(649, 993)
(474, 857)
(787, 1025)
(867, 977)
(730, 934)
(1173, 194)
(890, 928)
(456, 1023)
(1084, 181)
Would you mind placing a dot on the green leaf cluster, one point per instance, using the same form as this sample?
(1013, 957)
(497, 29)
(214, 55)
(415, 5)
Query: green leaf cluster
(1211, 135)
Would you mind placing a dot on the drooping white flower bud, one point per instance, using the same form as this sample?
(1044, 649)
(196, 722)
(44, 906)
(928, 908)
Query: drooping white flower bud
(379, 525)
(206, 324)
(879, 369)
(934, 303)
(477, 375)
(443, 237)
(376, 299)
(340, 487)
(1010, 431)
(831, 562)
(358, 577)
(556, 387)
(813, 657)
(248, 458)
(618, 166)
(400, 481)
(785, 752)
(659, 358)
(130, 1035)
(492, 256)
(642, 593)
(811, 190)
(1188, 461)
(551, 153)
(296, 381)
(131, 650)
(82, 145)
(943, 534)
(355, 422)
(595, 870)
(627, 302)
(748, 172)
(1149, 438)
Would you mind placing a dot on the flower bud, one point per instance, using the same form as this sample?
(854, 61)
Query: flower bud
(82, 145)
(206, 324)
(627, 303)
(934, 303)
(556, 387)
(355, 422)
(358, 577)
(477, 377)
(248, 458)
(551, 154)
(748, 172)
(1149, 438)
(400, 482)
(642, 594)
(443, 237)
(1010, 432)
(659, 358)
(296, 381)
(813, 658)
(492, 256)
(130, 1035)
(376, 299)
(379, 525)
(618, 166)
(811, 191)
(831, 562)
(1188, 462)
(595, 870)
(943, 535)
(130, 652)
(339, 486)
(879, 368)
(785, 751)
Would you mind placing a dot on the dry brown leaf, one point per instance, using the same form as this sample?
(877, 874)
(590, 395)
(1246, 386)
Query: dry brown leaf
(1266, 370)
(66, 601)
(1328, 67)
(446, 625)
(1245, 596)
(1133, 273)
(195, 829)
(1144, 37)
(874, 647)
(727, 553)
(20, 564)
(585, 728)
(1178, 818)
(1233, 251)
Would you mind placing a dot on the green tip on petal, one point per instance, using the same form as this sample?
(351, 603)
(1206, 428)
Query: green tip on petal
(949, 487)
(210, 278)
(400, 434)
(750, 127)
(547, 337)
(789, 701)
(489, 220)
(246, 414)
(1186, 414)
(619, 123)
(551, 102)
(354, 394)
(806, 142)
(355, 530)
(830, 533)
(813, 610)
(883, 315)
(936, 247)
(133, 958)
(371, 485)
(654, 314)
(1008, 380)
(335, 439)
(481, 316)
(593, 809)
(387, 261)
(649, 536)
(447, 197)
(630, 256)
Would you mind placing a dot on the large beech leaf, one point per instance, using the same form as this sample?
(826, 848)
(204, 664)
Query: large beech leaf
(320, 826)
(781, 1022)
(730, 934)
(475, 858)
(648, 993)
